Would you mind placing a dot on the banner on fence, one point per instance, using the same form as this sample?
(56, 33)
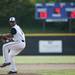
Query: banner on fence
(50, 46)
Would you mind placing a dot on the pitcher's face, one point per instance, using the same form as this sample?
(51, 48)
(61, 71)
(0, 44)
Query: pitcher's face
(12, 23)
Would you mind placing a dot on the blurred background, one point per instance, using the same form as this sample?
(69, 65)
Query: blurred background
(43, 38)
(58, 36)
(24, 11)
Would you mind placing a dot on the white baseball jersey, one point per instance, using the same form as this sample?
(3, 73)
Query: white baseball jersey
(19, 36)
(15, 47)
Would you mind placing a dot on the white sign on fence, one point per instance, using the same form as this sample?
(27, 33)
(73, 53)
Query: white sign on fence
(50, 46)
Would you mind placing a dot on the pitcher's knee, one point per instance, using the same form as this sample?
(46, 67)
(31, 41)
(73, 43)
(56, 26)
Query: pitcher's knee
(4, 46)
(12, 55)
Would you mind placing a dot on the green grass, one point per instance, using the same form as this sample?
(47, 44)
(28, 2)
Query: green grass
(43, 59)
(56, 72)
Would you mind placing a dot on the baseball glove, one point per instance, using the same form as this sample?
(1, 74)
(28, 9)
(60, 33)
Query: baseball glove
(3, 38)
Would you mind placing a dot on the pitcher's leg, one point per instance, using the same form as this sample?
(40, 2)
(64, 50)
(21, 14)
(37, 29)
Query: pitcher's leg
(12, 67)
(12, 55)
(6, 56)
(6, 47)
(6, 53)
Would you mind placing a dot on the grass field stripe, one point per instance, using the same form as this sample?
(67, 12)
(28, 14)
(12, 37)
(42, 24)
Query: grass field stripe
(43, 59)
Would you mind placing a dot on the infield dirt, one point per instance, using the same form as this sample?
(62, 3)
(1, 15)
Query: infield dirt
(30, 69)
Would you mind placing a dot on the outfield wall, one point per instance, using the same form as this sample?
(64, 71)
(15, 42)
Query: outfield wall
(53, 44)
(32, 48)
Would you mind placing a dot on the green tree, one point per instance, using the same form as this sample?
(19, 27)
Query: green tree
(21, 9)
(14, 7)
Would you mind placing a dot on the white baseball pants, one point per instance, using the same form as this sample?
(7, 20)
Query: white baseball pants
(10, 50)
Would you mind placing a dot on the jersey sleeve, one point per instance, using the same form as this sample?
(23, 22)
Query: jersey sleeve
(13, 31)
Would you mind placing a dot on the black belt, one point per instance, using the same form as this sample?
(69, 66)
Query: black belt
(22, 40)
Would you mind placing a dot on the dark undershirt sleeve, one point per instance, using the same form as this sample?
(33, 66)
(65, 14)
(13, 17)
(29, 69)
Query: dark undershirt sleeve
(13, 31)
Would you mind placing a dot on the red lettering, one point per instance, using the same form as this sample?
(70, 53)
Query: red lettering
(43, 15)
(72, 14)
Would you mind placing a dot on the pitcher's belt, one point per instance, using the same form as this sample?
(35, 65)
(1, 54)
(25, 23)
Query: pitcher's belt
(22, 40)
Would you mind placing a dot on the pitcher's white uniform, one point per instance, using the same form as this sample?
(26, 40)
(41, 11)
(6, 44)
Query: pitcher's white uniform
(11, 49)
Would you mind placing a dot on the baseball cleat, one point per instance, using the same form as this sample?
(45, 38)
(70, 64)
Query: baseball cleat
(5, 64)
(11, 72)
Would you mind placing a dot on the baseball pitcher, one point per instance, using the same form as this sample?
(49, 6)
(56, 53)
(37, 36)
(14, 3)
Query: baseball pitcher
(14, 47)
